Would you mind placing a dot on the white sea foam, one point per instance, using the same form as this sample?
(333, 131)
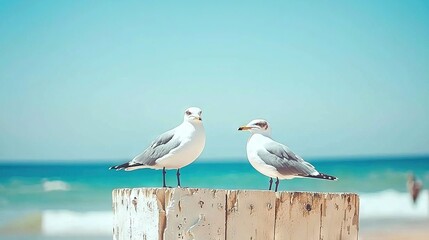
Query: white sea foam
(56, 185)
(394, 205)
(69, 223)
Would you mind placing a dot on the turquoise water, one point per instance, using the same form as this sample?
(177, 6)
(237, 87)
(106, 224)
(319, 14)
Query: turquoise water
(90, 184)
(82, 187)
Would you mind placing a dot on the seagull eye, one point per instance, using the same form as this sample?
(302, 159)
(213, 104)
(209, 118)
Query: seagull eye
(201, 112)
(262, 125)
(188, 113)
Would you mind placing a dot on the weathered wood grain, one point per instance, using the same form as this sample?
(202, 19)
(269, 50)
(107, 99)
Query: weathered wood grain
(195, 214)
(250, 215)
(298, 215)
(340, 216)
(168, 214)
(138, 213)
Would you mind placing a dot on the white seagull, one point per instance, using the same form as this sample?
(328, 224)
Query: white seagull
(173, 149)
(274, 159)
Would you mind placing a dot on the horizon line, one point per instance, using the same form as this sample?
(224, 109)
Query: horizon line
(223, 159)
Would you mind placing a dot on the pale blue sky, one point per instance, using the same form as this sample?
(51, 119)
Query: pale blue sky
(101, 79)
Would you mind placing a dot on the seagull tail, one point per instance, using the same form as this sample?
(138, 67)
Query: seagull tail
(120, 167)
(323, 176)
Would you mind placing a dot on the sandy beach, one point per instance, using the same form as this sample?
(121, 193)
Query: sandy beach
(394, 230)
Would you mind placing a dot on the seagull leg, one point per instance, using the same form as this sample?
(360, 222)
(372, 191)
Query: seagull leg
(178, 178)
(163, 177)
(277, 184)
(271, 183)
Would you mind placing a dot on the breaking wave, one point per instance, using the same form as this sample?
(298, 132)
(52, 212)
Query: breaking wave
(55, 185)
(69, 223)
(393, 204)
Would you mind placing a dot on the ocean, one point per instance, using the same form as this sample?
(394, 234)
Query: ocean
(50, 200)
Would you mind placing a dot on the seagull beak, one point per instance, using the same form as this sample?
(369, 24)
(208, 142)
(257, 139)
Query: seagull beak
(244, 128)
(197, 118)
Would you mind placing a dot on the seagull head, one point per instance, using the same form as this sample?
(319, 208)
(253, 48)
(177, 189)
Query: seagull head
(193, 115)
(257, 126)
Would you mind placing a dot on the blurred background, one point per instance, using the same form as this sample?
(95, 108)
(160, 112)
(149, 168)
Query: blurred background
(89, 84)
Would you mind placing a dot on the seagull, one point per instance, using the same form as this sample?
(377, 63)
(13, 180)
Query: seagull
(173, 149)
(274, 159)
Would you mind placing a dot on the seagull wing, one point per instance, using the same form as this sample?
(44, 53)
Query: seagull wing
(284, 160)
(161, 146)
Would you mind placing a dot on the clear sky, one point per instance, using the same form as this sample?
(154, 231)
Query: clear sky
(101, 79)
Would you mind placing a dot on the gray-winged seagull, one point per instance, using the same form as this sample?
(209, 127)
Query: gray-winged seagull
(274, 159)
(173, 149)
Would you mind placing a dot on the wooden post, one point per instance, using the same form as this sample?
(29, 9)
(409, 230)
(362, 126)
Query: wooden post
(194, 214)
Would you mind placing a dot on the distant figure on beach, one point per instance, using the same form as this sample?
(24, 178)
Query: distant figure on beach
(274, 159)
(414, 186)
(173, 149)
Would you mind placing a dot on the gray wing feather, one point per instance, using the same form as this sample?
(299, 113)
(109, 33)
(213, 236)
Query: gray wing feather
(160, 147)
(284, 160)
